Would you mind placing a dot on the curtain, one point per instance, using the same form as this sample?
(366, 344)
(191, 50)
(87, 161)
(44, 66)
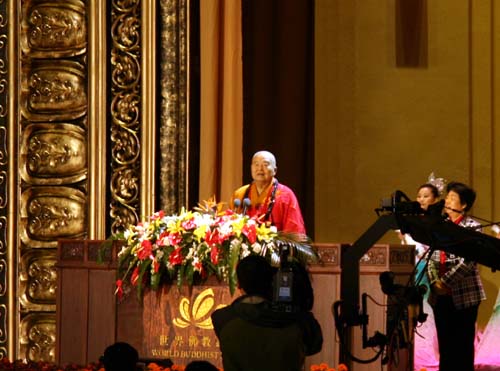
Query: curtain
(220, 99)
(278, 94)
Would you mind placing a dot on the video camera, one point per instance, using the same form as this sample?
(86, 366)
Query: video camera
(399, 203)
(292, 289)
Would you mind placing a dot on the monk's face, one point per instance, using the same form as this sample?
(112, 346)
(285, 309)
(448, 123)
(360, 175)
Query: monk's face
(263, 169)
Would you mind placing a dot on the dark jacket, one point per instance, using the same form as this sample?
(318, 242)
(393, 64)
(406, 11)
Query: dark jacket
(258, 337)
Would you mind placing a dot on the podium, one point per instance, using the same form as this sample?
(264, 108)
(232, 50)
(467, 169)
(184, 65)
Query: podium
(174, 323)
(85, 302)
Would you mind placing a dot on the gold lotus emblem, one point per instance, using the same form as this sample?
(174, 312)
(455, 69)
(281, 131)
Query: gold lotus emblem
(197, 314)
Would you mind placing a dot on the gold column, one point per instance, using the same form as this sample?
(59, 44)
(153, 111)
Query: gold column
(148, 127)
(97, 119)
(10, 331)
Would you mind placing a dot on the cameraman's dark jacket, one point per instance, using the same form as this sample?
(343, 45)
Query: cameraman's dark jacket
(258, 337)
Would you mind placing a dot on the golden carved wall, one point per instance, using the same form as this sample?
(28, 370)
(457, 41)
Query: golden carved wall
(80, 139)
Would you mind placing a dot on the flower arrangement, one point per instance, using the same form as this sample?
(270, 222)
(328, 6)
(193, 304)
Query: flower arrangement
(192, 245)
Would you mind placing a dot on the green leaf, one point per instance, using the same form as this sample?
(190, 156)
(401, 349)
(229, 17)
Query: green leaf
(234, 257)
(143, 268)
(155, 281)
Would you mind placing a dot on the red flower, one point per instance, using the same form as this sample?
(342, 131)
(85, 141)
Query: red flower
(156, 266)
(162, 239)
(214, 254)
(119, 288)
(175, 257)
(251, 232)
(145, 251)
(212, 237)
(135, 276)
(158, 215)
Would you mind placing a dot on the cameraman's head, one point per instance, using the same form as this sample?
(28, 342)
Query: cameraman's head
(120, 357)
(255, 276)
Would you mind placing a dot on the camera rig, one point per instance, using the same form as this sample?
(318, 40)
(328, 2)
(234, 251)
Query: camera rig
(427, 227)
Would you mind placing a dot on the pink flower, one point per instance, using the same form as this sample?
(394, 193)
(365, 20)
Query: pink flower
(175, 238)
(163, 239)
(188, 224)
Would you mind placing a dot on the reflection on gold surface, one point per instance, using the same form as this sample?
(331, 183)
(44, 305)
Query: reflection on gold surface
(54, 29)
(48, 214)
(38, 279)
(53, 154)
(37, 336)
(198, 314)
(57, 89)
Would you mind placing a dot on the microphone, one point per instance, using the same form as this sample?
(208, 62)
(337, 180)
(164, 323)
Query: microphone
(236, 203)
(246, 204)
(455, 210)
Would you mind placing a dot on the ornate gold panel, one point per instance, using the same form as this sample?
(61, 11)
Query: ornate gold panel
(54, 29)
(38, 280)
(37, 336)
(51, 213)
(54, 90)
(125, 113)
(53, 154)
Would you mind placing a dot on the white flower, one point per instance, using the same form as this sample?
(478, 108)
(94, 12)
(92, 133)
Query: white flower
(257, 248)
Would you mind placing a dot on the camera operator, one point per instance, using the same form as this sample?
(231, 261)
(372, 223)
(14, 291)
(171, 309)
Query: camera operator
(253, 335)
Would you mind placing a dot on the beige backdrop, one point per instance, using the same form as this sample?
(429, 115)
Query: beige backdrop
(380, 128)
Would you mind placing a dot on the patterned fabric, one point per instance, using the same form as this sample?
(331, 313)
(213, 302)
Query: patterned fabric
(460, 275)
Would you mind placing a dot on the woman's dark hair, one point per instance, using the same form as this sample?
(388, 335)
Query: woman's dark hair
(432, 187)
(467, 194)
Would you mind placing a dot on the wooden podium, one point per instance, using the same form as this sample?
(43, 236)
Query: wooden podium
(175, 323)
(85, 303)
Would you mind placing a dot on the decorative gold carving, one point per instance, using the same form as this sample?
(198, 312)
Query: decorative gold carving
(38, 337)
(38, 279)
(54, 91)
(174, 128)
(401, 256)
(125, 77)
(48, 214)
(329, 255)
(3, 326)
(53, 154)
(3, 189)
(197, 315)
(375, 256)
(55, 29)
(3, 277)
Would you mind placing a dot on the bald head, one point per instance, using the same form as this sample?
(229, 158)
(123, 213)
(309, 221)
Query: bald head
(263, 168)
